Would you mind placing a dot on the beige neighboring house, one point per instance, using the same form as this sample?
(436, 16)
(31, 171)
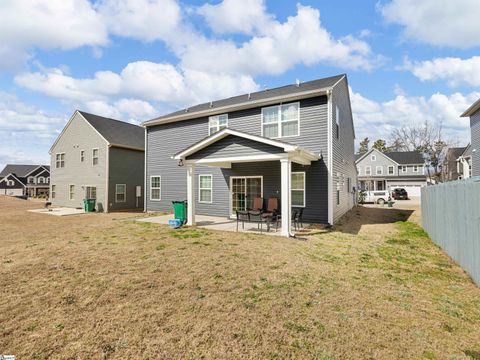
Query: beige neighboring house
(100, 158)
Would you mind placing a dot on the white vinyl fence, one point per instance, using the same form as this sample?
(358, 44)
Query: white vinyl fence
(451, 217)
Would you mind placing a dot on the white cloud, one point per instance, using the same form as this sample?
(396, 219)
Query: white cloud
(455, 71)
(301, 39)
(378, 119)
(233, 16)
(146, 20)
(436, 22)
(131, 110)
(26, 131)
(141, 80)
(63, 24)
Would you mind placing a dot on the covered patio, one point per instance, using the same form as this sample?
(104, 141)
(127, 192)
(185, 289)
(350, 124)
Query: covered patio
(227, 147)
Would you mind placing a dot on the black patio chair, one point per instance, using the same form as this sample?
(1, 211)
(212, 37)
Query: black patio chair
(242, 216)
(257, 217)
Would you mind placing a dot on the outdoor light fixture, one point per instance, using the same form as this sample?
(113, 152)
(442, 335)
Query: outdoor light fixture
(180, 162)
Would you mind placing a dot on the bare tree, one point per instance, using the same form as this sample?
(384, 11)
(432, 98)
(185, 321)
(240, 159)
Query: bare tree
(428, 140)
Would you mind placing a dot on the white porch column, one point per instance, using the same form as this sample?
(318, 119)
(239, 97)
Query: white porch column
(190, 194)
(286, 171)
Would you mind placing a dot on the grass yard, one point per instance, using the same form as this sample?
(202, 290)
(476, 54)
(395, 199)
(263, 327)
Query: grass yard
(99, 286)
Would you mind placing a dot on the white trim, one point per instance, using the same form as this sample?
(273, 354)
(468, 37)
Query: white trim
(373, 149)
(415, 168)
(107, 176)
(145, 173)
(330, 157)
(71, 196)
(35, 170)
(245, 105)
(200, 188)
(388, 170)
(160, 188)
(232, 214)
(11, 174)
(279, 120)
(404, 168)
(224, 133)
(116, 193)
(52, 191)
(304, 188)
(92, 187)
(43, 172)
(286, 193)
(82, 156)
(190, 195)
(377, 168)
(373, 157)
(210, 118)
(93, 156)
(369, 172)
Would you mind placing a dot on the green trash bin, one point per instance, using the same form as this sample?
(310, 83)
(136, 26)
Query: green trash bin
(180, 210)
(89, 205)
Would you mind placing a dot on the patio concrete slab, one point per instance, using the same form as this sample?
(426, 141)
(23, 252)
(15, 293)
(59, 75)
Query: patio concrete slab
(61, 211)
(216, 223)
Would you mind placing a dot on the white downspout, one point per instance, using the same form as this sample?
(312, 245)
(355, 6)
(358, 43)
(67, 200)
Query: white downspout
(330, 158)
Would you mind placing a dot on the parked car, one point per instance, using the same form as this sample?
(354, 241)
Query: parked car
(377, 197)
(399, 194)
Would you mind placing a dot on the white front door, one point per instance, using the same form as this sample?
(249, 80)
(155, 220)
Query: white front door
(243, 190)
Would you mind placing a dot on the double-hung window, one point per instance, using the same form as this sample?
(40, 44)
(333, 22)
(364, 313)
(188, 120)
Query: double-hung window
(60, 160)
(281, 121)
(82, 155)
(368, 170)
(337, 122)
(404, 168)
(217, 123)
(91, 192)
(71, 192)
(415, 168)
(120, 193)
(298, 189)
(52, 195)
(379, 170)
(390, 169)
(95, 156)
(156, 188)
(205, 189)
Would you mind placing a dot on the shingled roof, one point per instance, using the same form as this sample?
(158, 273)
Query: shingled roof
(19, 170)
(320, 84)
(401, 157)
(117, 132)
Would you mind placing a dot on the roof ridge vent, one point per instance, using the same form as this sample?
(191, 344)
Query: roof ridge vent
(211, 104)
(249, 96)
(297, 82)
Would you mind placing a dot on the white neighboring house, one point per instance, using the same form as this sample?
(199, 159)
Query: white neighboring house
(464, 163)
(387, 171)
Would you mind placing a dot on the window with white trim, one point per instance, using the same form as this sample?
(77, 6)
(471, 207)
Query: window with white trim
(298, 189)
(379, 170)
(415, 168)
(91, 192)
(281, 120)
(373, 157)
(71, 192)
(337, 121)
(10, 183)
(404, 168)
(358, 169)
(155, 188)
(205, 189)
(391, 169)
(59, 160)
(31, 180)
(41, 180)
(349, 184)
(95, 156)
(52, 195)
(217, 123)
(368, 170)
(82, 155)
(120, 193)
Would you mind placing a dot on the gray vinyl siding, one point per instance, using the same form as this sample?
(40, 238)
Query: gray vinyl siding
(384, 161)
(343, 152)
(167, 139)
(125, 167)
(475, 133)
(234, 146)
(77, 136)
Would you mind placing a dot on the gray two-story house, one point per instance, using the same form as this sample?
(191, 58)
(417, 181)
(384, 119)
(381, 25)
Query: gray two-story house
(387, 171)
(294, 143)
(99, 158)
(474, 113)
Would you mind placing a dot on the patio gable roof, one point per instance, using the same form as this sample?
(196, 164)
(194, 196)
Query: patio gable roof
(232, 146)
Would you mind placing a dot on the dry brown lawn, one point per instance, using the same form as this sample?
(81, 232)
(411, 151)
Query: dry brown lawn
(104, 286)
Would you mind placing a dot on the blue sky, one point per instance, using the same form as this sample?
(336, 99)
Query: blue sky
(407, 61)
